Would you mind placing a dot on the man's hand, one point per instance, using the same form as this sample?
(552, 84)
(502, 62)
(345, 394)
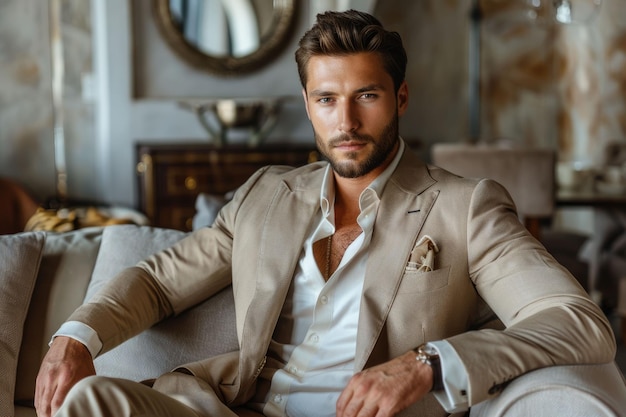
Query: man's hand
(67, 362)
(386, 389)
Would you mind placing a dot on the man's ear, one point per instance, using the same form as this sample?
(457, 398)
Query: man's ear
(402, 98)
(306, 103)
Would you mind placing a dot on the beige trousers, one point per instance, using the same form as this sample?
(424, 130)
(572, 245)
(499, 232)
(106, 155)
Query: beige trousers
(99, 396)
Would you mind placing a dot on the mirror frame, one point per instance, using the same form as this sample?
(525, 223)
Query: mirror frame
(271, 44)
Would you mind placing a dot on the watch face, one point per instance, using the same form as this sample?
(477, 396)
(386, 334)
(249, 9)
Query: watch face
(430, 351)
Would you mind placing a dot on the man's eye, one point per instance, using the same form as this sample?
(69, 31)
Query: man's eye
(368, 96)
(325, 100)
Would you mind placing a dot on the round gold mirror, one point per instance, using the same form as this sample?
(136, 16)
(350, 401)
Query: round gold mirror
(226, 37)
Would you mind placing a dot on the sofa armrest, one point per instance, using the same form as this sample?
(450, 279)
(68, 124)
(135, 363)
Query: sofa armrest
(577, 390)
(201, 332)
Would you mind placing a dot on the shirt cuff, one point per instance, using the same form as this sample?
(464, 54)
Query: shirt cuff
(453, 398)
(82, 333)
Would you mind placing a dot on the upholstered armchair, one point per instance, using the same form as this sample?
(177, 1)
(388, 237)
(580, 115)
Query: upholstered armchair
(528, 174)
(16, 206)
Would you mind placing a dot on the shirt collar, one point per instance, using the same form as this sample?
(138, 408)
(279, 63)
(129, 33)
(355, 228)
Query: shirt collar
(327, 192)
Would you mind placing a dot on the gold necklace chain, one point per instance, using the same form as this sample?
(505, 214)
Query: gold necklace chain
(329, 244)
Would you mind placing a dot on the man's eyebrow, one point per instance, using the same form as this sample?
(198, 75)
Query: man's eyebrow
(364, 89)
(320, 93)
(370, 87)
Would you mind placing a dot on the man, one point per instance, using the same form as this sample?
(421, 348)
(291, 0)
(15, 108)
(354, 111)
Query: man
(339, 271)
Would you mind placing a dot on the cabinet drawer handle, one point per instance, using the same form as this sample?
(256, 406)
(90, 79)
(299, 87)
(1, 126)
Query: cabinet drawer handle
(191, 183)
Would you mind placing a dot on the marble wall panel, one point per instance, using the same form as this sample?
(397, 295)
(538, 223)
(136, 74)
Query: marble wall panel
(552, 85)
(26, 111)
(25, 91)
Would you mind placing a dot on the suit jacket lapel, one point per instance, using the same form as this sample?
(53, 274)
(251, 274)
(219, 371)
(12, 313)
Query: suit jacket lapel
(403, 209)
(292, 210)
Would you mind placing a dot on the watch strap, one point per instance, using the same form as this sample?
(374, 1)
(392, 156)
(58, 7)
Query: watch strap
(430, 357)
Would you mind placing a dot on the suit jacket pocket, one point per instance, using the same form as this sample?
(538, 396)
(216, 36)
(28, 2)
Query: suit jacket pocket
(418, 282)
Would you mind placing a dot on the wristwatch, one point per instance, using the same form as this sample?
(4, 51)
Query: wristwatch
(429, 355)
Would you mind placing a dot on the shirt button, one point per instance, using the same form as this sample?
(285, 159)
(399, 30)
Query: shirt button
(278, 398)
(315, 338)
(324, 299)
(292, 370)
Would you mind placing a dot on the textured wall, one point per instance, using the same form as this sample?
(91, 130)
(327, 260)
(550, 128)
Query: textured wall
(434, 33)
(26, 113)
(542, 84)
(25, 91)
(560, 86)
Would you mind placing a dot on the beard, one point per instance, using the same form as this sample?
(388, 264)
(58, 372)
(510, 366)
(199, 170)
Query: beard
(349, 166)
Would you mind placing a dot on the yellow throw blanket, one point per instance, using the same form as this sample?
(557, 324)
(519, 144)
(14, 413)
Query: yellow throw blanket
(66, 219)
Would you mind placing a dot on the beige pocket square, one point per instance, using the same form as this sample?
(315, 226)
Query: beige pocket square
(423, 255)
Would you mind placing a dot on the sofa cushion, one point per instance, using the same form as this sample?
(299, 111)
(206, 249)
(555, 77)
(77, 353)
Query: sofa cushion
(20, 257)
(197, 333)
(207, 208)
(124, 246)
(66, 266)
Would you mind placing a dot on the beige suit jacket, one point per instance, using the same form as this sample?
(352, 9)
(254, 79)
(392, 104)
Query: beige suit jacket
(487, 263)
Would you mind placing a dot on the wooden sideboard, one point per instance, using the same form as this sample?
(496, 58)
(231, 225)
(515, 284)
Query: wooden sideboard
(172, 175)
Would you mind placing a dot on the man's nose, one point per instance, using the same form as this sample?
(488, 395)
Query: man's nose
(348, 118)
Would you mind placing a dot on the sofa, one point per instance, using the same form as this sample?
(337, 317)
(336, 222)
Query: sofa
(46, 275)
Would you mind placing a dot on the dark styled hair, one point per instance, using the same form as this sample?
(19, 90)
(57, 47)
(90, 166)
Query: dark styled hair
(349, 32)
